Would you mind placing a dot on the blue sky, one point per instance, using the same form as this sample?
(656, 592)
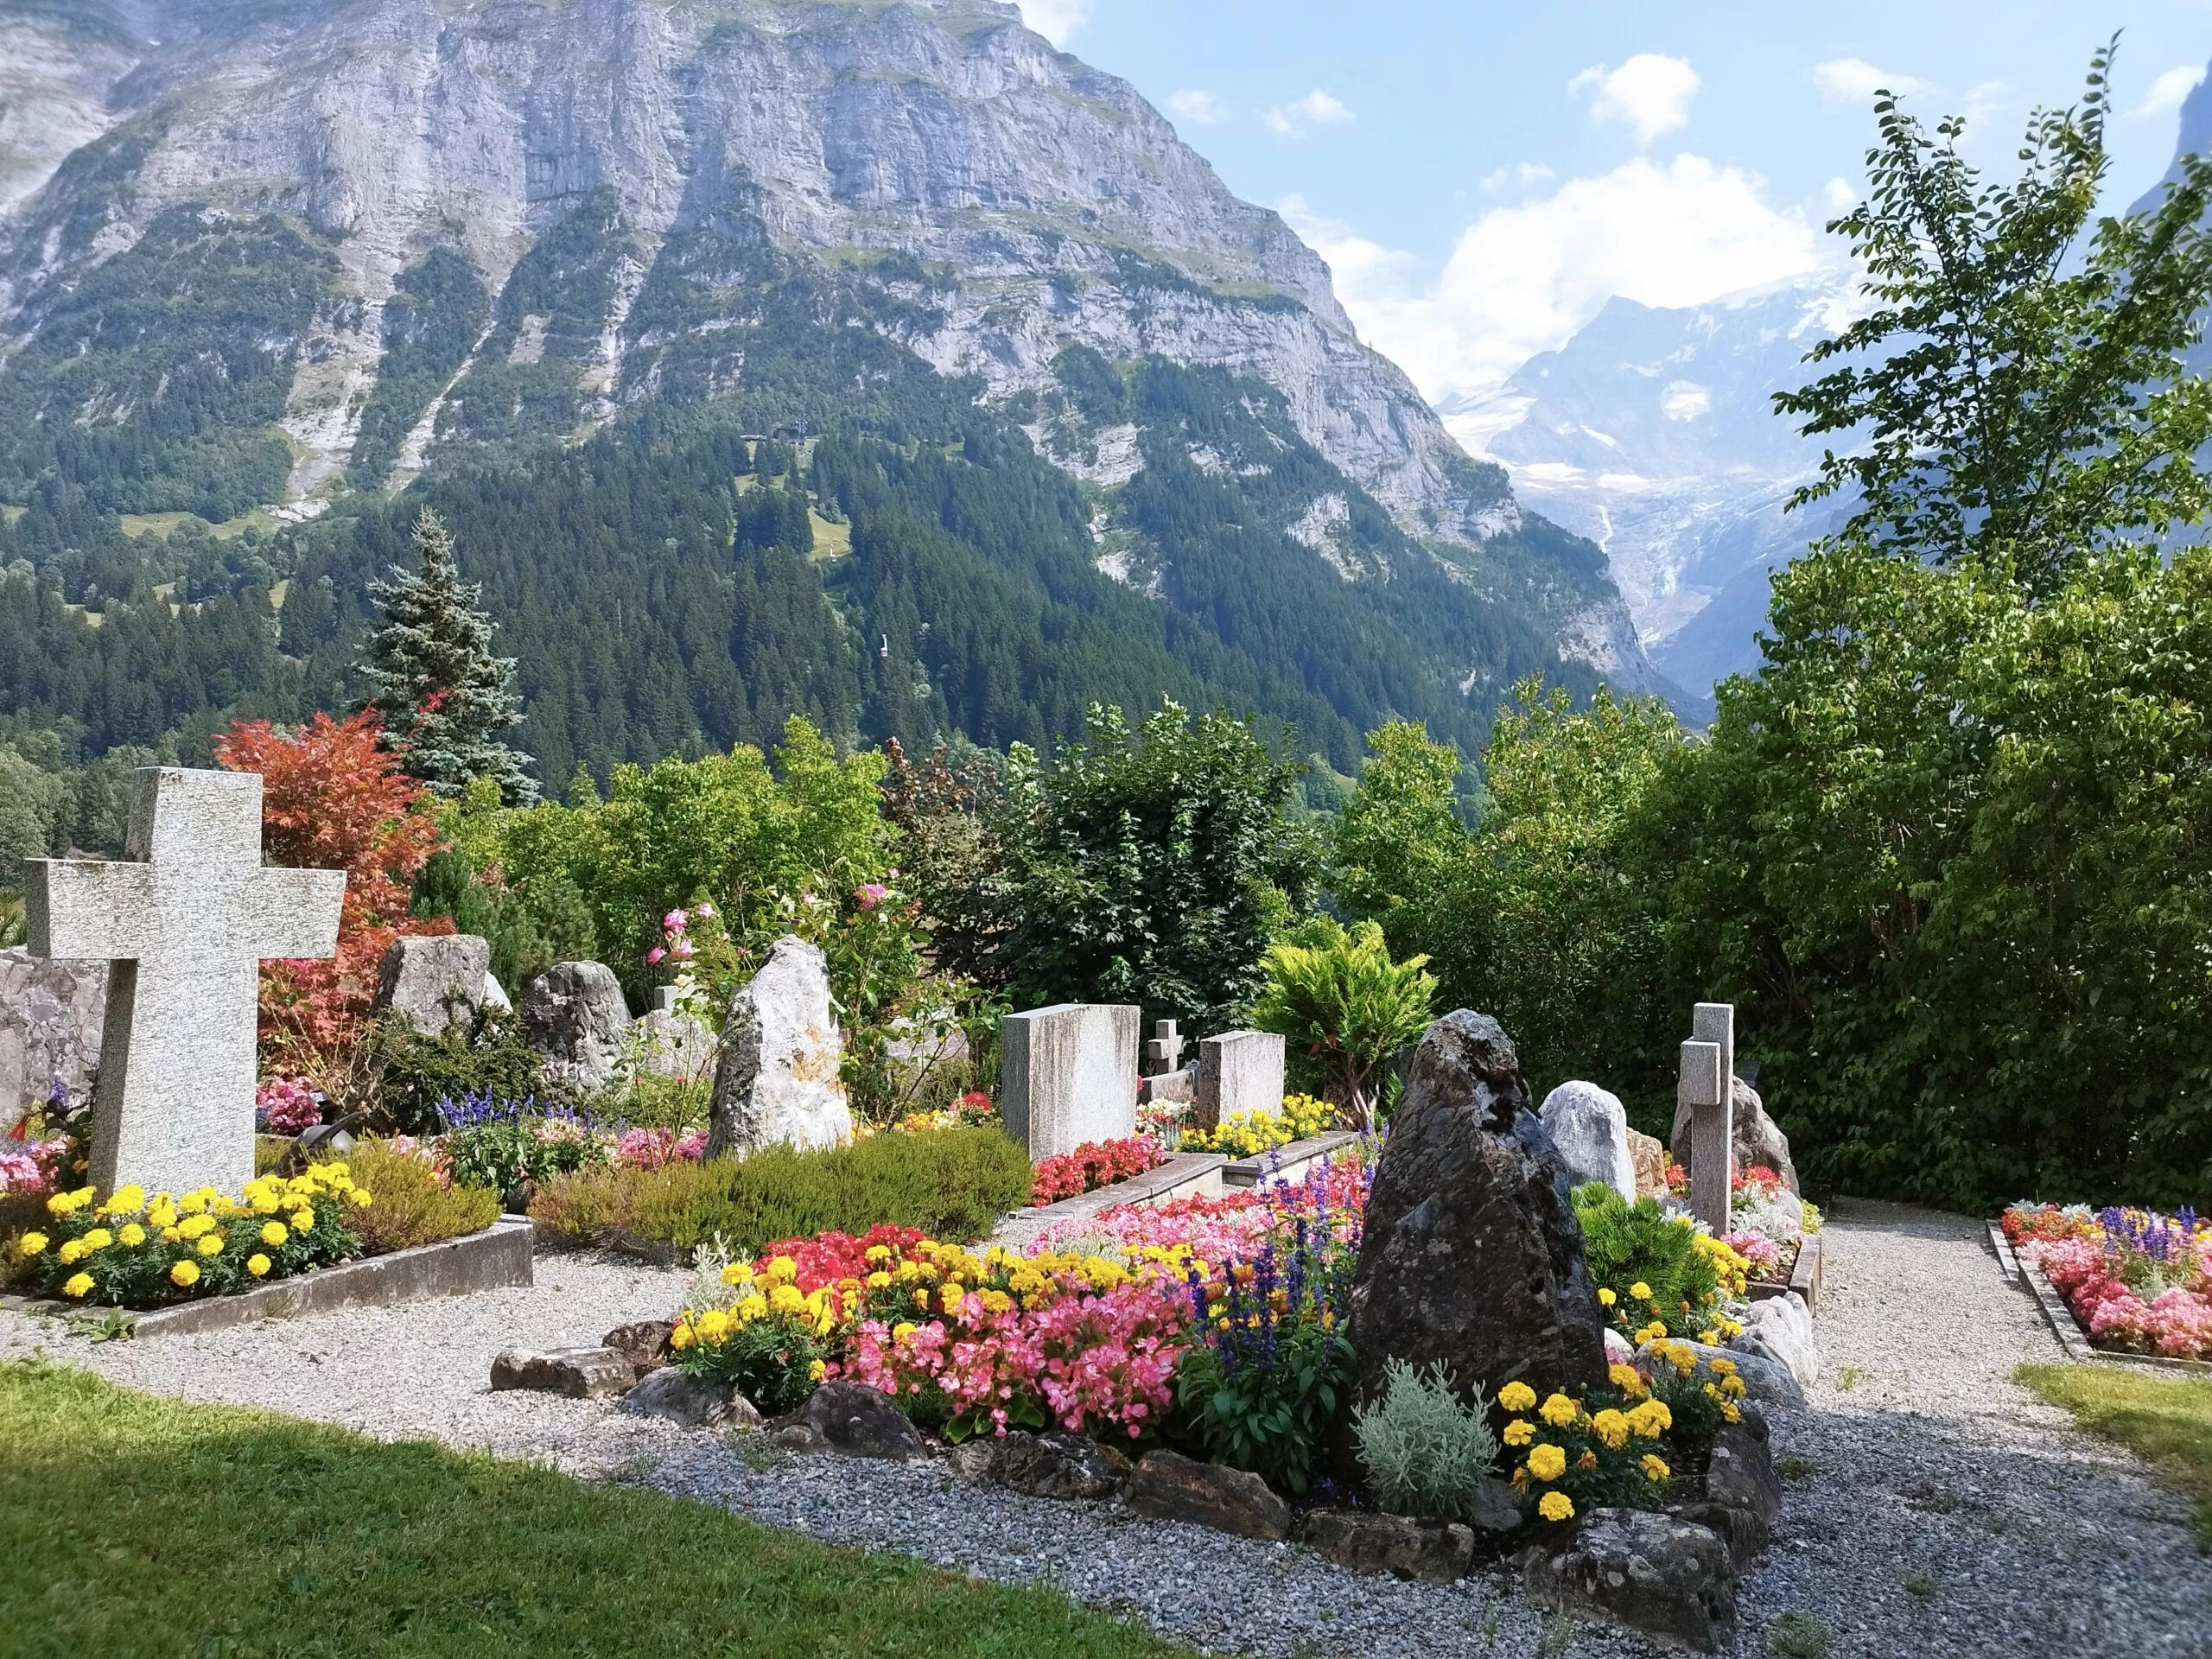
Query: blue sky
(1481, 177)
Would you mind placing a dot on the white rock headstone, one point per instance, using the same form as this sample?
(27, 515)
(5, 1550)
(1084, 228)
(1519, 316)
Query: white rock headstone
(433, 981)
(575, 1016)
(776, 1080)
(1238, 1072)
(187, 918)
(1068, 1074)
(1590, 1127)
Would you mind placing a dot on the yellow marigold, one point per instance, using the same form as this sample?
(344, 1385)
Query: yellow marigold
(1651, 1419)
(713, 1325)
(1627, 1379)
(257, 1264)
(360, 1198)
(1520, 1431)
(1720, 1365)
(1606, 1295)
(816, 1371)
(1555, 1506)
(1515, 1396)
(172, 1235)
(127, 1200)
(162, 1214)
(785, 1298)
(265, 1203)
(1655, 1468)
(879, 1281)
(878, 1252)
(98, 1239)
(31, 1243)
(132, 1235)
(1710, 1338)
(194, 1224)
(274, 1233)
(71, 1250)
(681, 1337)
(754, 1307)
(302, 1221)
(1547, 1461)
(952, 1298)
(737, 1273)
(80, 1284)
(212, 1245)
(901, 1330)
(185, 1274)
(1611, 1427)
(1732, 1386)
(1558, 1411)
(783, 1267)
(1641, 1291)
(1729, 1412)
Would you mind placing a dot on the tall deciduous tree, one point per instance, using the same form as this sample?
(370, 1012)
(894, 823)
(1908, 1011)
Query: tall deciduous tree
(2023, 398)
(442, 695)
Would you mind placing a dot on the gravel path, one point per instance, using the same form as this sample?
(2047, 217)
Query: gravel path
(1930, 1461)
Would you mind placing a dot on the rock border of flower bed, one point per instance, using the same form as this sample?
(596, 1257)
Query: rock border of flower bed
(498, 1256)
(2074, 1341)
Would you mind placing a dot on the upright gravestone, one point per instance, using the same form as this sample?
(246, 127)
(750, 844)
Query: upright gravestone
(1707, 1072)
(1164, 1052)
(187, 918)
(1068, 1074)
(1238, 1072)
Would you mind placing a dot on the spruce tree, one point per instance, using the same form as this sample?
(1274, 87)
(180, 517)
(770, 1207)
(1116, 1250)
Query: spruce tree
(442, 695)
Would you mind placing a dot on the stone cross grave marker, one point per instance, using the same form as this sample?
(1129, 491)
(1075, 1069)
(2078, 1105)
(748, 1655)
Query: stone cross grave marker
(1164, 1053)
(186, 919)
(1068, 1074)
(1708, 1070)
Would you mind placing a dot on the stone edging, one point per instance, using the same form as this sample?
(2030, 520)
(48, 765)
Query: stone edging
(497, 1256)
(1182, 1175)
(1805, 1275)
(2007, 1262)
(1288, 1163)
(2075, 1341)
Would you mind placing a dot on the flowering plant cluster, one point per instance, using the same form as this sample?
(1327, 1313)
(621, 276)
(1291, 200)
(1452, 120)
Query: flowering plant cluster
(973, 1110)
(288, 1106)
(697, 952)
(508, 1145)
(1247, 1134)
(1093, 1165)
(45, 1150)
(1659, 1273)
(1610, 1447)
(1165, 1120)
(134, 1250)
(654, 1148)
(1767, 1222)
(2139, 1282)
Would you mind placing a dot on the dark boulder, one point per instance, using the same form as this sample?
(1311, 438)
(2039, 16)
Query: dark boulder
(1472, 1256)
(1367, 1540)
(1660, 1574)
(644, 1343)
(1177, 1488)
(1054, 1465)
(860, 1421)
(690, 1401)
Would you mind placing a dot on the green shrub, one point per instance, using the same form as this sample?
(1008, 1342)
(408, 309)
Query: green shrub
(1641, 1244)
(1426, 1452)
(646, 1100)
(952, 1183)
(407, 1205)
(413, 1072)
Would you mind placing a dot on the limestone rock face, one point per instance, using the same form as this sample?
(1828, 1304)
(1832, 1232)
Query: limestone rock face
(776, 1080)
(1649, 1154)
(434, 983)
(575, 1016)
(1590, 1127)
(50, 1018)
(1472, 1256)
(1754, 1138)
(579, 1373)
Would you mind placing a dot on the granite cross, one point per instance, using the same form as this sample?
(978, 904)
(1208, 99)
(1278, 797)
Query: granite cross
(187, 918)
(1164, 1052)
(1706, 1088)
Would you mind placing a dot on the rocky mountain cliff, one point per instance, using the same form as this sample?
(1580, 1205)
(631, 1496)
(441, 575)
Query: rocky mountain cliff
(276, 253)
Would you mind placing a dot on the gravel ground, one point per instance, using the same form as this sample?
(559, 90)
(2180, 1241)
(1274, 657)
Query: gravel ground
(1918, 1458)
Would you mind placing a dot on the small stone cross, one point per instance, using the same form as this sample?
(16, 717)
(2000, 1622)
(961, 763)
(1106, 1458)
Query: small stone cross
(1708, 1089)
(186, 919)
(1164, 1051)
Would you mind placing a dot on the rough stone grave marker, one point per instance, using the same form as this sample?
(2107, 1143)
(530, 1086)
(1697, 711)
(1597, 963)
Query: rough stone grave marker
(1068, 1074)
(1708, 1070)
(1238, 1072)
(187, 917)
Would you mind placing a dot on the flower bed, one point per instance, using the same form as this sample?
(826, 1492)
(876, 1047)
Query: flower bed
(141, 1250)
(1767, 1224)
(1213, 1325)
(1247, 1134)
(1658, 1273)
(1093, 1165)
(2139, 1282)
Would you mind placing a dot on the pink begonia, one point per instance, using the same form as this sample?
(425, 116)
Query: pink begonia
(651, 1148)
(289, 1105)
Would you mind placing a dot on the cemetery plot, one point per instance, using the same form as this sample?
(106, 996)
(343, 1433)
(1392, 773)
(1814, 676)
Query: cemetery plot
(2116, 1282)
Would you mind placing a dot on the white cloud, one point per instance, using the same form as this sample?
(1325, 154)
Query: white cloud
(1523, 278)
(1056, 20)
(1521, 173)
(1855, 80)
(1685, 400)
(1195, 104)
(1650, 93)
(2168, 89)
(1317, 109)
(1840, 196)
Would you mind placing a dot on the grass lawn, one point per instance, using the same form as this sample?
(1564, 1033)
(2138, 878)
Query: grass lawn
(132, 1525)
(2167, 1419)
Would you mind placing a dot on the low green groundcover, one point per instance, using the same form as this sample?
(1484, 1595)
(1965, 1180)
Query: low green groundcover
(132, 1525)
(952, 1183)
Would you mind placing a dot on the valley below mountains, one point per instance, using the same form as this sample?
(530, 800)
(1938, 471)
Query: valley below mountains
(873, 362)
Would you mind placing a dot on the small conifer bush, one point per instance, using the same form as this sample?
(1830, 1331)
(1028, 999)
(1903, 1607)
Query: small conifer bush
(1425, 1451)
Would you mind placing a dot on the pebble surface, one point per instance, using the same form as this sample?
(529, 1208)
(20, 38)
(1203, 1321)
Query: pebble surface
(1933, 1506)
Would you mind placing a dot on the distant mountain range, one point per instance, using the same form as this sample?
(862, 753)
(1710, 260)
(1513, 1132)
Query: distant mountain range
(266, 264)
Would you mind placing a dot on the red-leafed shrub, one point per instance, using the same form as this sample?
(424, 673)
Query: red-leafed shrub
(1093, 1165)
(331, 798)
